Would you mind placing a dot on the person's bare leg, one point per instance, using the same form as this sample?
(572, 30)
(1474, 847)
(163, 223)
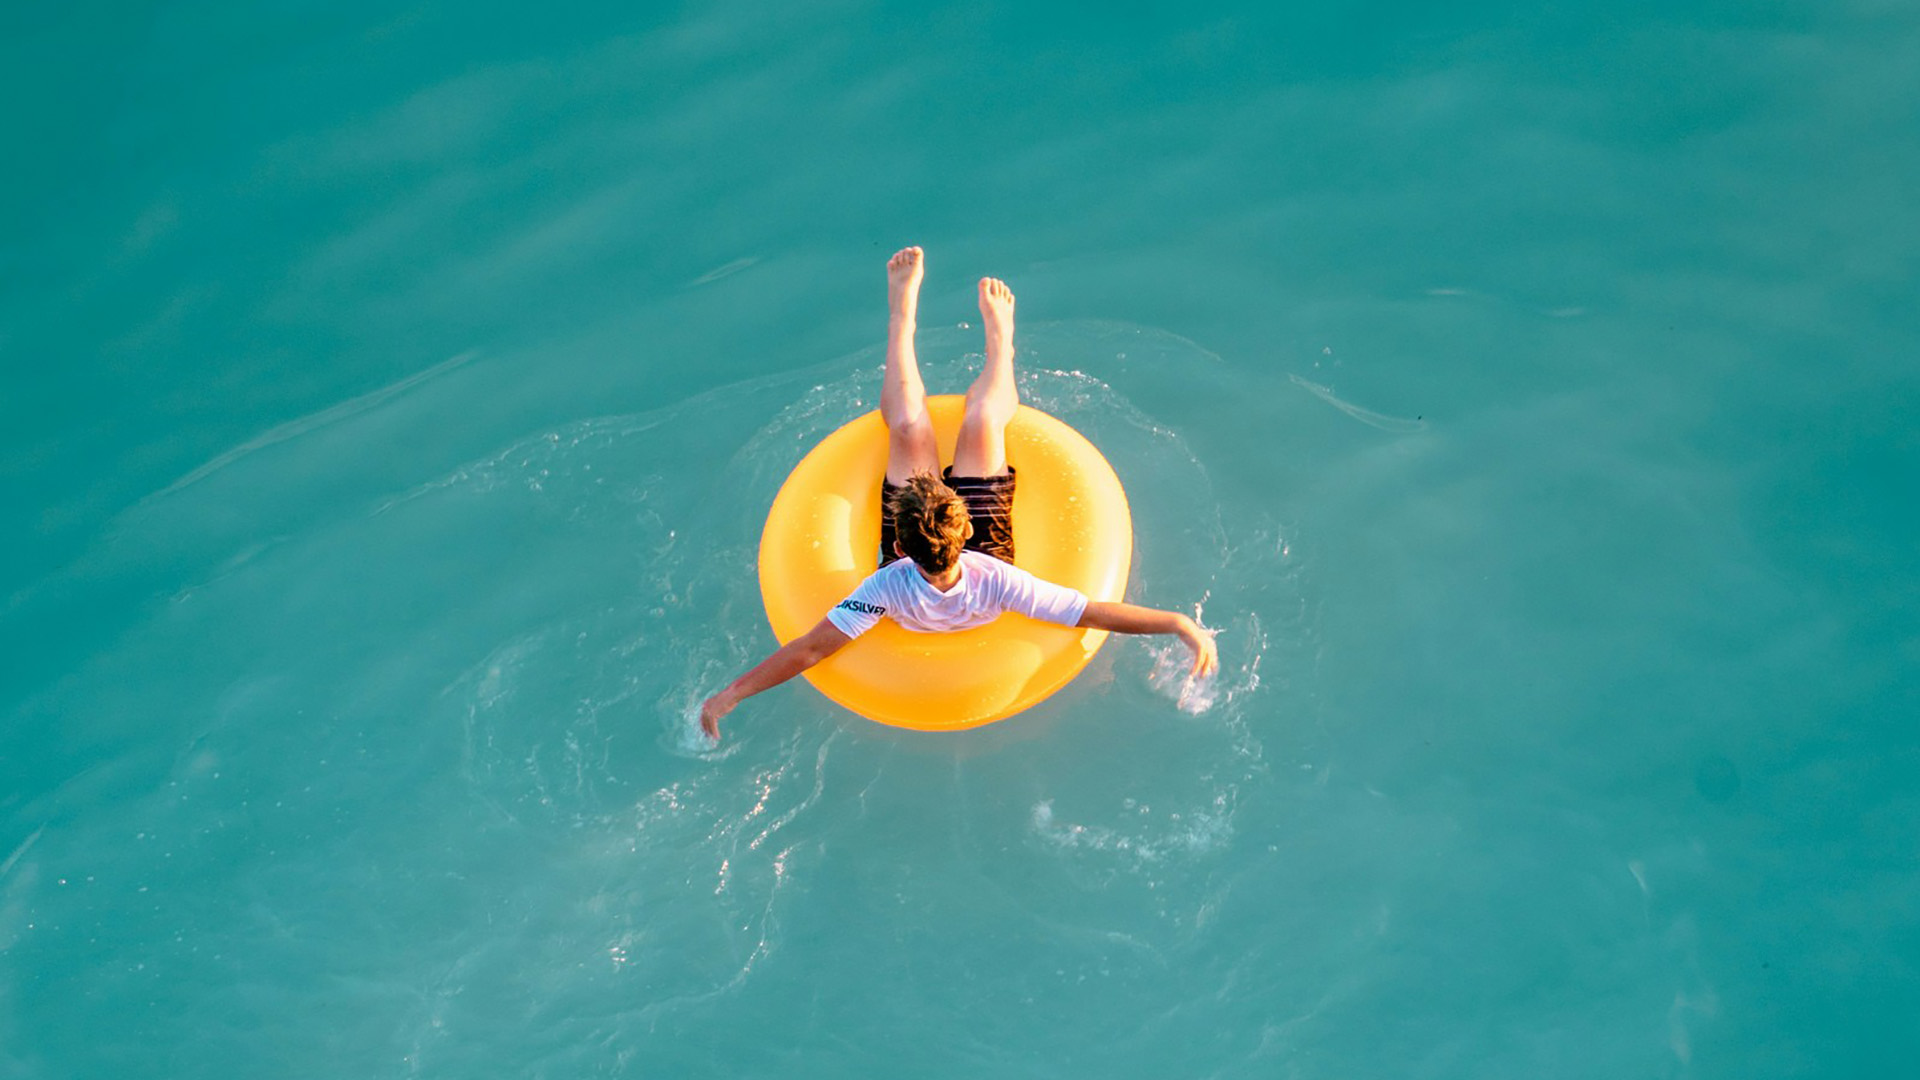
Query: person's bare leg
(993, 398)
(903, 399)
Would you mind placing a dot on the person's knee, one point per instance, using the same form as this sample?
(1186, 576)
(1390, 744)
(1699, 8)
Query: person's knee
(913, 425)
(988, 412)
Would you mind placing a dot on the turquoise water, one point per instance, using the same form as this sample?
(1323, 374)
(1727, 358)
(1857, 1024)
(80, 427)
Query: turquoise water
(394, 395)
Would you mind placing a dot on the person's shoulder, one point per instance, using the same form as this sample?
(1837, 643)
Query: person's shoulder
(892, 575)
(984, 568)
(981, 562)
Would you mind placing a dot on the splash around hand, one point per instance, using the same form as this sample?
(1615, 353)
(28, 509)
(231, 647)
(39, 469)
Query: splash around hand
(1206, 655)
(711, 712)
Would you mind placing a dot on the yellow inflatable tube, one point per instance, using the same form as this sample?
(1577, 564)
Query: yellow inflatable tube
(1071, 525)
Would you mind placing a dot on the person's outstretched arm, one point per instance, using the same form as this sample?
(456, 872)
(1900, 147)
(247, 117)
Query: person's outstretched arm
(1134, 619)
(788, 660)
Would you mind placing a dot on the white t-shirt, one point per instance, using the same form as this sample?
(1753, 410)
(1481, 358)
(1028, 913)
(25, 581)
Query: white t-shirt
(986, 588)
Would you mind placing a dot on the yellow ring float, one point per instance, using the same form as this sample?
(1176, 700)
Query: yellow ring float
(1071, 526)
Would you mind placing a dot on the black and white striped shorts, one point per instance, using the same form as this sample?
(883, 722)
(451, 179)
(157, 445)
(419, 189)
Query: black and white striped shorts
(989, 502)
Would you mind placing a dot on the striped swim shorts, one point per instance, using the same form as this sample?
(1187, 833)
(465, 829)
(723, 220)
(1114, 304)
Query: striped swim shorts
(989, 502)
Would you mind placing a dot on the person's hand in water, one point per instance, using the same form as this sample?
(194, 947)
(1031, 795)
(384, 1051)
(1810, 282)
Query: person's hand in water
(1206, 656)
(711, 711)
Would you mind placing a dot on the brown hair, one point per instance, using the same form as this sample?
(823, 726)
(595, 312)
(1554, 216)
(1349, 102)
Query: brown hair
(930, 522)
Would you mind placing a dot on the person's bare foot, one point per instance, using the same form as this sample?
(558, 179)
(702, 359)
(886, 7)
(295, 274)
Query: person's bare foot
(996, 307)
(904, 271)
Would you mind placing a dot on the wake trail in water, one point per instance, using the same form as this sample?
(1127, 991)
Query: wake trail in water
(1396, 424)
(294, 429)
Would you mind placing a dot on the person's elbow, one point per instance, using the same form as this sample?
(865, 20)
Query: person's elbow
(1098, 616)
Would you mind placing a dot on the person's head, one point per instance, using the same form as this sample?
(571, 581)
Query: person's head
(930, 523)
